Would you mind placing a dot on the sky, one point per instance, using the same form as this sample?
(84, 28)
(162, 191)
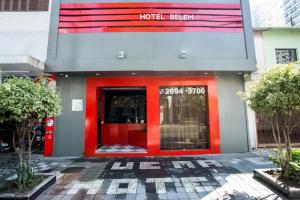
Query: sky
(267, 12)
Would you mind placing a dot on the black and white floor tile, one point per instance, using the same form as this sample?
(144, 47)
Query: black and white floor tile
(120, 149)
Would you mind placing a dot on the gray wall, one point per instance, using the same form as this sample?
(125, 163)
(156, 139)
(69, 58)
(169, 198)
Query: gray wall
(207, 51)
(69, 127)
(232, 114)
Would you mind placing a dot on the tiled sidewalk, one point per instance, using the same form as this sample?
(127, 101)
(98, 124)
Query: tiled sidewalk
(226, 176)
(8, 163)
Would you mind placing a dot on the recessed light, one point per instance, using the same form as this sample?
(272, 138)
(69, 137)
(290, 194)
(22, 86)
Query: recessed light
(121, 55)
(206, 73)
(133, 73)
(183, 54)
(97, 74)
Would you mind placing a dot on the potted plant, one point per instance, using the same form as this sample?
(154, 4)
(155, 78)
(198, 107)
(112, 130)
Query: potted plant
(276, 96)
(25, 103)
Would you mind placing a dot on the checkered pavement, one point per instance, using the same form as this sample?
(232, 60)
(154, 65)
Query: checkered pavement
(120, 149)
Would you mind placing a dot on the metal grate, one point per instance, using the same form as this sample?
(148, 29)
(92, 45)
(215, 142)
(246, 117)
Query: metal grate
(24, 5)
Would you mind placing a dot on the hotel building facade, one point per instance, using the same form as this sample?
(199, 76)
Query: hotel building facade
(151, 78)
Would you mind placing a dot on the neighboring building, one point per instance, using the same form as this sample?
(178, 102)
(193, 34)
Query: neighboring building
(150, 78)
(24, 30)
(273, 45)
(292, 12)
(276, 45)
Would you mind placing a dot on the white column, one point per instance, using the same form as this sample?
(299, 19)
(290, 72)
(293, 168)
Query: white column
(251, 122)
(0, 76)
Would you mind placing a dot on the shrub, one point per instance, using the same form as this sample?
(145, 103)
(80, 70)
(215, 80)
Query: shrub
(294, 164)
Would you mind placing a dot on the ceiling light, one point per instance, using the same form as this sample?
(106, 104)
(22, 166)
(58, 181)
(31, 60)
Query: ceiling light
(97, 74)
(121, 55)
(133, 73)
(183, 54)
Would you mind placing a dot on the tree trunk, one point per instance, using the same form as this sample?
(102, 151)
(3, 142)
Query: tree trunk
(288, 152)
(32, 128)
(280, 151)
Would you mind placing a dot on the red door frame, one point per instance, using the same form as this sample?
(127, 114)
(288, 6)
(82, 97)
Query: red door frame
(152, 85)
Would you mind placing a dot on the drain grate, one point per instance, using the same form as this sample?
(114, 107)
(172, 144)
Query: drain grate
(72, 170)
(47, 170)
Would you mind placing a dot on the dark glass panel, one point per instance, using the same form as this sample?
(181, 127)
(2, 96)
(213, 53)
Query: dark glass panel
(125, 106)
(184, 118)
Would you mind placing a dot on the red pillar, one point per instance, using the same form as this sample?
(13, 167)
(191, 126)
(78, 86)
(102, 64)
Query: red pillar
(49, 137)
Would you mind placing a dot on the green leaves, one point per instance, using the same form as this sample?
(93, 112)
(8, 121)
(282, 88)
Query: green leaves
(277, 91)
(22, 99)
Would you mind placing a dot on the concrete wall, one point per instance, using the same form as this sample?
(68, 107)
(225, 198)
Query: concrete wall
(259, 50)
(207, 51)
(24, 33)
(69, 127)
(232, 113)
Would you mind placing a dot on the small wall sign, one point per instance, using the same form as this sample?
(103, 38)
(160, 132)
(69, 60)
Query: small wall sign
(77, 105)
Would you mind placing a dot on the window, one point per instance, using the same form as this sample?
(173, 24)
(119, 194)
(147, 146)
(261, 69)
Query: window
(285, 56)
(183, 118)
(24, 5)
(125, 105)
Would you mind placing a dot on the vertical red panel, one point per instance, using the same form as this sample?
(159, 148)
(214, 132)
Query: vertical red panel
(90, 143)
(153, 137)
(213, 117)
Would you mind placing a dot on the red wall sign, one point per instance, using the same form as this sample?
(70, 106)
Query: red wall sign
(150, 17)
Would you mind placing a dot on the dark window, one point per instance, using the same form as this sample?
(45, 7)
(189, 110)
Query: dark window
(183, 118)
(125, 105)
(285, 56)
(24, 5)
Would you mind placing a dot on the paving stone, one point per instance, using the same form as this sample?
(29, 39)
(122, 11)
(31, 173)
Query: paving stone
(193, 177)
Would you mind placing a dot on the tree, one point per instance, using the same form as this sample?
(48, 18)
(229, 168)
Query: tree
(25, 103)
(276, 96)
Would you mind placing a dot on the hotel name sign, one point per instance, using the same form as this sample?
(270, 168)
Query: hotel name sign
(158, 16)
(150, 17)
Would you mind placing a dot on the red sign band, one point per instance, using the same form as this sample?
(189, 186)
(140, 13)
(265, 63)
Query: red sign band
(150, 17)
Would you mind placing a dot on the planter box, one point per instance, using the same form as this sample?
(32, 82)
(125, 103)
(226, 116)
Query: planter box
(35, 192)
(289, 191)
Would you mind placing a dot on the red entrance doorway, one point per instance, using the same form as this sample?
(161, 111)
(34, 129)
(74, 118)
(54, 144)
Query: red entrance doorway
(170, 129)
(122, 120)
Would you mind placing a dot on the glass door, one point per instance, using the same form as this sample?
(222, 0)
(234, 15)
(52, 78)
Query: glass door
(183, 118)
